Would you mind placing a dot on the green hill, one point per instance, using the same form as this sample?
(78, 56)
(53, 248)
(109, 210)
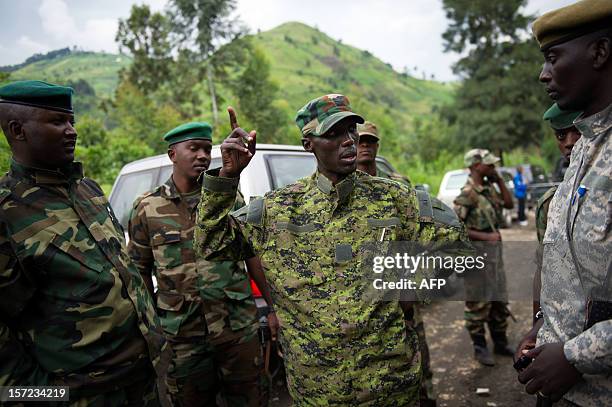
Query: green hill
(308, 63)
(98, 69)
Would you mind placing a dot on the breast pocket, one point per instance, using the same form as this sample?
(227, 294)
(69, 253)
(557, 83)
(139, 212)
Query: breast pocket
(294, 255)
(75, 270)
(166, 247)
(383, 230)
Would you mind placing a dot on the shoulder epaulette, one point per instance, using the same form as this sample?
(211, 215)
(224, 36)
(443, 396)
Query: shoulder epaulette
(251, 213)
(433, 210)
(147, 194)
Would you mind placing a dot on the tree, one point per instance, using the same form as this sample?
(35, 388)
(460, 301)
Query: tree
(499, 103)
(256, 93)
(181, 48)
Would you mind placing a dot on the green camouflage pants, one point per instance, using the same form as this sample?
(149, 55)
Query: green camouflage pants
(426, 392)
(198, 371)
(494, 313)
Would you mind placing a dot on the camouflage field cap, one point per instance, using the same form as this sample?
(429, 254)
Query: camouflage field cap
(320, 114)
(189, 131)
(478, 155)
(560, 119)
(38, 94)
(573, 21)
(368, 129)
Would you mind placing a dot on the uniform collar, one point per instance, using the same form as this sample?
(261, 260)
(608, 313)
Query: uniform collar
(592, 126)
(70, 173)
(477, 188)
(342, 189)
(169, 191)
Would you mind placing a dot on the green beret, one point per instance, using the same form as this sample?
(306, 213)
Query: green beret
(560, 119)
(478, 155)
(38, 94)
(320, 114)
(368, 129)
(189, 131)
(573, 21)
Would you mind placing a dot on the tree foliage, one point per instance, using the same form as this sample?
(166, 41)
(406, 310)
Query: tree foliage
(500, 102)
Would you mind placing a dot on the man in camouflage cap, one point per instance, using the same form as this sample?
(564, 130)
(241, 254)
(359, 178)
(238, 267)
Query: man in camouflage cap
(573, 359)
(567, 135)
(480, 206)
(206, 308)
(449, 229)
(74, 311)
(339, 349)
(367, 150)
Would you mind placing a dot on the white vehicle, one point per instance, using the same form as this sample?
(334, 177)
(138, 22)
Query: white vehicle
(274, 166)
(451, 185)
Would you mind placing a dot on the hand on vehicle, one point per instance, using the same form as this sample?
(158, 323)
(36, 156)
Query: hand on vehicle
(550, 374)
(529, 340)
(237, 149)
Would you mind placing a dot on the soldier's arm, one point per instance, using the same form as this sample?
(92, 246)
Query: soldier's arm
(591, 351)
(139, 247)
(18, 367)
(463, 204)
(221, 235)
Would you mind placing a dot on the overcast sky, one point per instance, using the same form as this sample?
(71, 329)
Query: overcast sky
(405, 33)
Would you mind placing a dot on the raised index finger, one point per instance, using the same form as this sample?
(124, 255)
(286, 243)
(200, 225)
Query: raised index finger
(232, 117)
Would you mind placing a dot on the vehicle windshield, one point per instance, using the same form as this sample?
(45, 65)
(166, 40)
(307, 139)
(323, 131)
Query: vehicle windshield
(286, 169)
(457, 181)
(131, 186)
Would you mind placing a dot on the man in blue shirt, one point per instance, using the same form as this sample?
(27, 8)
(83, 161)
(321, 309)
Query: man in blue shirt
(520, 192)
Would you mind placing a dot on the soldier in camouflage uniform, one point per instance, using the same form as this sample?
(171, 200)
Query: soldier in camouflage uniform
(339, 349)
(367, 150)
(74, 311)
(206, 308)
(573, 358)
(479, 205)
(566, 135)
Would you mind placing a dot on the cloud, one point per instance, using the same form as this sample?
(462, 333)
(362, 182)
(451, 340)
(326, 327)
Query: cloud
(93, 34)
(32, 47)
(56, 20)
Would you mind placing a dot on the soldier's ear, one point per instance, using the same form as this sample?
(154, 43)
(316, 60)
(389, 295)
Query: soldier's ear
(171, 153)
(307, 144)
(15, 128)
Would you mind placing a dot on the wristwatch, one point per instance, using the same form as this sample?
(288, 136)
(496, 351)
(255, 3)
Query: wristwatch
(538, 315)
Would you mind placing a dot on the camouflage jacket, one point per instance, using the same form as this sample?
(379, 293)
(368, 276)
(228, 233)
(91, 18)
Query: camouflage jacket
(479, 206)
(73, 308)
(542, 212)
(195, 297)
(309, 236)
(566, 285)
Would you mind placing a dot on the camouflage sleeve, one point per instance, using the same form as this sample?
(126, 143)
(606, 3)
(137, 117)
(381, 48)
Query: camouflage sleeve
(409, 213)
(218, 234)
(462, 204)
(139, 247)
(591, 351)
(16, 289)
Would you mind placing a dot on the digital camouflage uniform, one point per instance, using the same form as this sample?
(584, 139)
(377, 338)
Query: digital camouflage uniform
(74, 309)
(566, 285)
(206, 308)
(541, 217)
(339, 349)
(439, 223)
(480, 208)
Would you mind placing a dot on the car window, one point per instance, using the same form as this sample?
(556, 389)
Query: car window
(129, 187)
(456, 181)
(285, 169)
